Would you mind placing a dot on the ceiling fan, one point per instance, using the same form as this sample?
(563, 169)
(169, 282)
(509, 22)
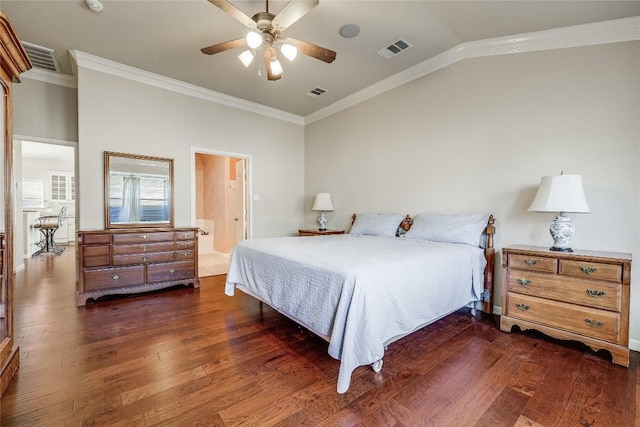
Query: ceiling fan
(266, 30)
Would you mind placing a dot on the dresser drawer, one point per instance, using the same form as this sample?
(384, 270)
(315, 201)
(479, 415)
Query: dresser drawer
(143, 237)
(566, 289)
(142, 258)
(142, 248)
(186, 254)
(591, 270)
(185, 244)
(113, 277)
(96, 239)
(170, 271)
(185, 235)
(586, 321)
(532, 262)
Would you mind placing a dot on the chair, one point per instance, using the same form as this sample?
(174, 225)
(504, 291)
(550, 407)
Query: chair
(48, 225)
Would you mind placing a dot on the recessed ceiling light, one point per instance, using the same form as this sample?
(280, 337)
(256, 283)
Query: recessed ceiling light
(349, 31)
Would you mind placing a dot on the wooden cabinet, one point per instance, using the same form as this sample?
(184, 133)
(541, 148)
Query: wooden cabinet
(581, 296)
(316, 232)
(14, 61)
(135, 260)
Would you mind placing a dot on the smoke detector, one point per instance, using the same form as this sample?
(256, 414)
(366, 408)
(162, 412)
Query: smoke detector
(94, 5)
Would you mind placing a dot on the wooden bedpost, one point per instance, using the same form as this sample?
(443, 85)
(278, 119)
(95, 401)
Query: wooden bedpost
(489, 254)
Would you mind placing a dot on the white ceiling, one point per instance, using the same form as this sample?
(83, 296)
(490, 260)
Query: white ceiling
(165, 37)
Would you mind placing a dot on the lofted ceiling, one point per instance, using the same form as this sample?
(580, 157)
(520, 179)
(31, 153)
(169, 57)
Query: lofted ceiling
(165, 37)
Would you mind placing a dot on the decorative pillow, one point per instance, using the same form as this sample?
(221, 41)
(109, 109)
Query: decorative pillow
(376, 224)
(465, 228)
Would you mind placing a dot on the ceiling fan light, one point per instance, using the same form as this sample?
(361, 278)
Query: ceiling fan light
(276, 67)
(254, 39)
(289, 51)
(246, 58)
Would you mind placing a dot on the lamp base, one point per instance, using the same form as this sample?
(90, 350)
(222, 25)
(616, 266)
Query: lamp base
(322, 221)
(562, 231)
(553, 248)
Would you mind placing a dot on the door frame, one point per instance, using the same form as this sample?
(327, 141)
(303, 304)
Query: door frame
(248, 183)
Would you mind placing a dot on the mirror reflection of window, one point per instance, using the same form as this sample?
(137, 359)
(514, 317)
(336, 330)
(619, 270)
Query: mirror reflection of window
(140, 198)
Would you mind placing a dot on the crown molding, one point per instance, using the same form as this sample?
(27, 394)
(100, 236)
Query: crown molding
(51, 77)
(613, 31)
(96, 63)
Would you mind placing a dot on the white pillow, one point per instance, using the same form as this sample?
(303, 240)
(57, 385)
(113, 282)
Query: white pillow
(466, 228)
(376, 224)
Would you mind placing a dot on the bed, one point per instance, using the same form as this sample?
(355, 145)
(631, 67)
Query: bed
(390, 276)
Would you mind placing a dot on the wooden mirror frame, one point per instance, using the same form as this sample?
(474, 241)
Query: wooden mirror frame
(108, 155)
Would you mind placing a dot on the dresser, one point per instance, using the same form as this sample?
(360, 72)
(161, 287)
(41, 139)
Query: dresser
(316, 232)
(581, 296)
(128, 261)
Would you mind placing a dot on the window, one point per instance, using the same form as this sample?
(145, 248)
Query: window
(62, 186)
(32, 193)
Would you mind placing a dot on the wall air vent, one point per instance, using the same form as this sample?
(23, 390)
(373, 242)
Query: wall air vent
(314, 93)
(42, 57)
(394, 48)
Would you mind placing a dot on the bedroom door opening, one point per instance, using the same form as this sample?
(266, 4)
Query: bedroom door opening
(221, 209)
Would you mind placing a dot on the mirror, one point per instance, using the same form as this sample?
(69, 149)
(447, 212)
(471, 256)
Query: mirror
(138, 190)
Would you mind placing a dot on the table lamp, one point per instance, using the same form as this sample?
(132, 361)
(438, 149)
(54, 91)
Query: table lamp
(323, 204)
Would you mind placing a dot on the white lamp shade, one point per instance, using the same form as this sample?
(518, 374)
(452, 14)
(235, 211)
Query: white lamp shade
(322, 202)
(254, 39)
(560, 193)
(289, 51)
(276, 67)
(246, 58)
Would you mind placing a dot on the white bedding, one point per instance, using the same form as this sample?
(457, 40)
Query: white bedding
(359, 292)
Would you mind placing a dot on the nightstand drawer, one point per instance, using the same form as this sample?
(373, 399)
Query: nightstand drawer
(531, 262)
(591, 270)
(566, 289)
(586, 321)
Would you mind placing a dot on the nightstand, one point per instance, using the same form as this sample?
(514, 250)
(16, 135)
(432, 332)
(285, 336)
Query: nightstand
(580, 296)
(316, 232)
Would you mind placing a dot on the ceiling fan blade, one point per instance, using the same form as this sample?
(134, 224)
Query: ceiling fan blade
(293, 11)
(234, 12)
(221, 47)
(267, 59)
(313, 50)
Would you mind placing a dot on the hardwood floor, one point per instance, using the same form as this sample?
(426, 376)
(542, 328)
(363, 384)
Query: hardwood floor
(197, 357)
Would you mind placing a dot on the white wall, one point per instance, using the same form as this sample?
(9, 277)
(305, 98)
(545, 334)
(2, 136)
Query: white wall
(478, 135)
(118, 114)
(45, 110)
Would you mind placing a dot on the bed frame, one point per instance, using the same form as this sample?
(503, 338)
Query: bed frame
(486, 297)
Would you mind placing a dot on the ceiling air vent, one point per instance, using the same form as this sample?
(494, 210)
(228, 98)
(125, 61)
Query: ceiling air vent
(42, 57)
(314, 93)
(394, 48)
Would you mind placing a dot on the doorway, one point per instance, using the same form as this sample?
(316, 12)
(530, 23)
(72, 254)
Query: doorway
(44, 174)
(220, 208)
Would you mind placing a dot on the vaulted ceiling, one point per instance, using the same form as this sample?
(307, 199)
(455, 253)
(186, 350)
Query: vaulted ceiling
(165, 37)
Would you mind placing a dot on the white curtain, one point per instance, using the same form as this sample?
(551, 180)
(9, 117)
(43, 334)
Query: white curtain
(130, 211)
(167, 195)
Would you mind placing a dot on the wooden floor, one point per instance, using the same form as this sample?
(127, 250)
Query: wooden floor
(189, 357)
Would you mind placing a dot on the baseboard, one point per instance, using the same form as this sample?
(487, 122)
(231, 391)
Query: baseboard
(497, 310)
(634, 345)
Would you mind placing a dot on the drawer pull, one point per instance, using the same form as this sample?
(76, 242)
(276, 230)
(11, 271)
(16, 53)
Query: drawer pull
(185, 245)
(595, 293)
(144, 236)
(185, 254)
(115, 277)
(172, 270)
(524, 282)
(595, 324)
(144, 247)
(530, 262)
(186, 235)
(523, 307)
(144, 257)
(588, 270)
